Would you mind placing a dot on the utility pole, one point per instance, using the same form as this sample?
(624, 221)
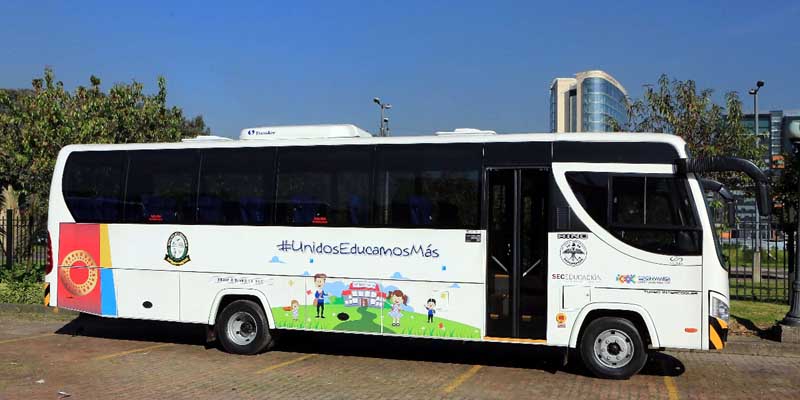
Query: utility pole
(384, 124)
(757, 252)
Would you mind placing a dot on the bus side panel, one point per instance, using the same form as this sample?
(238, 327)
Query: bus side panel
(401, 307)
(148, 294)
(201, 294)
(675, 313)
(281, 263)
(84, 275)
(601, 273)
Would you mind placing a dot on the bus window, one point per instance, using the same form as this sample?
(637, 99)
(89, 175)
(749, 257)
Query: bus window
(93, 184)
(162, 186)
(326, 186)
(652, 213)
(591, 189)
(236, 186)
(430, 186)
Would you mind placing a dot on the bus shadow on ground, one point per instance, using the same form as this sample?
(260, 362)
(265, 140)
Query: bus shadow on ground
(541, 358)
(134, 329)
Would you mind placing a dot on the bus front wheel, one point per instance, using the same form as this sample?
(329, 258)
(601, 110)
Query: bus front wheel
(242, 328)
(612, 348)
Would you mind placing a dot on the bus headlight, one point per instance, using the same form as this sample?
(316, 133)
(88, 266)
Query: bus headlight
(720, 309)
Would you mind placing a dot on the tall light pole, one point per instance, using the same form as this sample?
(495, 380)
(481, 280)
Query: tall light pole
(384, 129)
(792, 317)
(754, 93)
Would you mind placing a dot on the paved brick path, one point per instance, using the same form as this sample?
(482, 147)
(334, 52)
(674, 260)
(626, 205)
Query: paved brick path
(136, 359)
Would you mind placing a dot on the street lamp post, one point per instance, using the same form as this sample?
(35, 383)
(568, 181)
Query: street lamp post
(384, 127)
(792, 317)
(757, 254)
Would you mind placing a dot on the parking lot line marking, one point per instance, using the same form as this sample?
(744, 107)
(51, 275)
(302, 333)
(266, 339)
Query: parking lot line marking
(672, 390)
(25, 338)
(461, 379)
(139, 350)
(285, 363)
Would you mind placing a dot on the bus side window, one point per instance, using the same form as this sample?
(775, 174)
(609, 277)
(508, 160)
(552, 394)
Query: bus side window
(162, 186)
(236, 186)
(93, 184)
(653, 213)
(323, 186)
(431, 185)
(591, 190)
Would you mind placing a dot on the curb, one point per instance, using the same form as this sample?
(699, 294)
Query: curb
(35, 309)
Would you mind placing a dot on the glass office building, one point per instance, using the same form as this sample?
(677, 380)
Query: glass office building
(773, 133)
(774, 129)
(593, 101)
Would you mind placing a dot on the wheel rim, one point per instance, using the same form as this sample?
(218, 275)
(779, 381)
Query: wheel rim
(613, 348)
(242, 328)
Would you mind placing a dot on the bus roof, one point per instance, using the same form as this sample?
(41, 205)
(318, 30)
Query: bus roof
(674, 140)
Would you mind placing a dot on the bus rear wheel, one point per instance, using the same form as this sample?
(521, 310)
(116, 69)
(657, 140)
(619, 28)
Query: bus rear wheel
(242, 328)
(612, 348)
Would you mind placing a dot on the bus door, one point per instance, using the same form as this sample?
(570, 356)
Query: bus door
(516, 210)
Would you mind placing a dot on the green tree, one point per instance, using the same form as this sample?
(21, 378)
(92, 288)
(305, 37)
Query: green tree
(13, 95)
(195, 127)
(709, 129)
(35, 124)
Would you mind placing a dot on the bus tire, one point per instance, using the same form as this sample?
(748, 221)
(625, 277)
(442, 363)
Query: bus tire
(242, 328)
(612, 348)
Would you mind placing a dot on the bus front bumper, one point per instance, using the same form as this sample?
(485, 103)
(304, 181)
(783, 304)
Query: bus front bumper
(717, 333)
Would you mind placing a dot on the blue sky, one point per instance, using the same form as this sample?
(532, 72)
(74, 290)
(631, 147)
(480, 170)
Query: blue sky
(442, 65)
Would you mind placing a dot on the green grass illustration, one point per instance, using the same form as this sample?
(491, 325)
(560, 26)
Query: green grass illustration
(365, 319)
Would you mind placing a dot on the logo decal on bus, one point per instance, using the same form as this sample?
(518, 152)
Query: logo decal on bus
(573, 252)
(626, 278)
(573, 236)
(576, 277)
(561, 320)
(644, 279)
(177, 249)
(80, 258)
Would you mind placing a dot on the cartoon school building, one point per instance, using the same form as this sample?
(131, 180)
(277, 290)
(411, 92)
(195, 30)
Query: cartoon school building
(364, 294)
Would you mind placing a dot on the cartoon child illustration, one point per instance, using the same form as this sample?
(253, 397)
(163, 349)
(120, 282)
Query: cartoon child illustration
(295, 309)
(319, 295)
(430, 305)
(395, 298)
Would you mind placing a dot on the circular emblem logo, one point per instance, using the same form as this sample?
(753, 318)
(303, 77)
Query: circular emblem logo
(177, 249)
(573, 252)
(78, 257)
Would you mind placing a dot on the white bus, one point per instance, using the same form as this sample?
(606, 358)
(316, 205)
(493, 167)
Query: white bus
(598, 242)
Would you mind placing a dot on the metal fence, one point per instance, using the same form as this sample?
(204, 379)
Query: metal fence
(763, 275)
(23, 243)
